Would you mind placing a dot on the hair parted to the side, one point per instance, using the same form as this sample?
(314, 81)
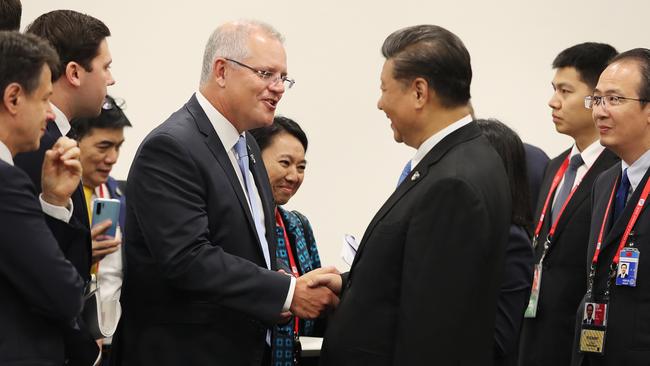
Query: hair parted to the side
(589, 59)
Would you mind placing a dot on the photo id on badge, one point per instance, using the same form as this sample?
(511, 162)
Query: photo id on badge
(594, 326)
(627, 267)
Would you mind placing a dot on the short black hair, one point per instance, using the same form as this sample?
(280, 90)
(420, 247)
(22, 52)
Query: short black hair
(111, 117)
(435, 54)
(75, 36)
(10, 14)
(589, 59)
(264, 135)
(508, 145)
(22, 57)
(642, 58)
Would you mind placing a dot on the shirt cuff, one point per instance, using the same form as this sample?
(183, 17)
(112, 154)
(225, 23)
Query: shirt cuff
(289, 299)
(58, 212)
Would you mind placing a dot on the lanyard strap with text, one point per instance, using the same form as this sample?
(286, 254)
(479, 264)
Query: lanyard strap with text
(630, 225)
(292, 261)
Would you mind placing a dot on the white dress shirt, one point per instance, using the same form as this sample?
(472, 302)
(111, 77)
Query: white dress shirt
(229, 136)
(637, 170)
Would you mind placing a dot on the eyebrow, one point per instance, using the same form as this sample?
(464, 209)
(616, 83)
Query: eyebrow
(608, 91)
(562, 85)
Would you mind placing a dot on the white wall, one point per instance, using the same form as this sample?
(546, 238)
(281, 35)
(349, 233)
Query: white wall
(334, 54)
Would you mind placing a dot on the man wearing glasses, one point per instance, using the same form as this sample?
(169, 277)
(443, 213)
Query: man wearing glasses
(620, 225)
(201, 285)
(548, 329)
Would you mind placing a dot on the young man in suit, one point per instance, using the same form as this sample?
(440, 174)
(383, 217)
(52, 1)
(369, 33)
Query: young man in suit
(199, 223)
(620, 222)
(423, 286)
(548, 328)
(41, 291)
(80, 41)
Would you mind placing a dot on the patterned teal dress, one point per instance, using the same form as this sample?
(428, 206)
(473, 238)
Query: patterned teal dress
(305, 254)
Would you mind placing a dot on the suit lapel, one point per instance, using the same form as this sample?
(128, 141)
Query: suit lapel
(605, 160)
(418, 173)
(216, 147)
(268, 206)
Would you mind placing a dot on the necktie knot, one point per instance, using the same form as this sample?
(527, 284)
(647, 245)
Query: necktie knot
(241, 147)
(405, 173)
(576, 162)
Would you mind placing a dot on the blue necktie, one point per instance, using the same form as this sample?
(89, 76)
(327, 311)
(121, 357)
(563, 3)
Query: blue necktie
(569, 178)
(621, 195)
(255, 204)
(405, 173)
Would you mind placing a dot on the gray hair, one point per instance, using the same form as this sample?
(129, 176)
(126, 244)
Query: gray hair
(229, 40)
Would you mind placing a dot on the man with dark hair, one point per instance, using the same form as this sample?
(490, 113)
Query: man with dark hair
(41, 291)
(562, 218)
(85, 59)
(100, 139)
(200, 223)
(620, 222)
(10, 14)
(436, 247)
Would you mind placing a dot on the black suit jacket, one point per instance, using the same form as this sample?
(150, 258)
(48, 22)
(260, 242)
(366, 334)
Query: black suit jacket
(197, 291)
(41, 292)
(424, 283)
(548, 338)
(628, 322)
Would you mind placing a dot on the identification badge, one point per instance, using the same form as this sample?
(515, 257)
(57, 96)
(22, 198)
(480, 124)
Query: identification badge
(627, 267)
(594, 327)
(531, 309)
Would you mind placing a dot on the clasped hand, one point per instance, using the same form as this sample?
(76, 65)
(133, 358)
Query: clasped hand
(315, 293)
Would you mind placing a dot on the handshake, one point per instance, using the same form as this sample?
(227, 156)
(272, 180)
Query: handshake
(315, 293)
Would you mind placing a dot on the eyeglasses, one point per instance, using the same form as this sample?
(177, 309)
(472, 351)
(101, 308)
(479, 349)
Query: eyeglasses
(112, 103)
(610, 100)
(271, 77)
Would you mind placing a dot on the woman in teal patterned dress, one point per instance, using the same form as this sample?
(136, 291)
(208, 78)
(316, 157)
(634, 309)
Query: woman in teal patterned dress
(283, 146)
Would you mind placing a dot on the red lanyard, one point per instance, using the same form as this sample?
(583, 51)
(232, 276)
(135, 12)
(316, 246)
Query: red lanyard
(556, 182)
(292, 261)
(630, 224)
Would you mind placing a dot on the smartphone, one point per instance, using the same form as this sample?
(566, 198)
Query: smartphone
(104, 209)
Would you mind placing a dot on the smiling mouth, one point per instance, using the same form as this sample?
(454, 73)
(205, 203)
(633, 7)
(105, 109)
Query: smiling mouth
(272, 103)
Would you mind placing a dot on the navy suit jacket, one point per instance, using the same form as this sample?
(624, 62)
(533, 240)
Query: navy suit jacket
(197, 291)
(41, 292)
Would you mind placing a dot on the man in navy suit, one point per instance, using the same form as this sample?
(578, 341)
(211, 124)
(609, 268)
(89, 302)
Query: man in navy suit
(41, 290)
(79, 91)
(202, 285)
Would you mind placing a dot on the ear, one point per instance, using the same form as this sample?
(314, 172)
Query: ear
(11, 97)
(219, 72)
(421, 92)
(72, 73)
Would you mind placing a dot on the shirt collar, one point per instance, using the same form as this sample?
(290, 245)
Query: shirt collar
(61, 120)
(590, 154)
(637, 170)
(5, 154)
(225, 130)
(432, 141)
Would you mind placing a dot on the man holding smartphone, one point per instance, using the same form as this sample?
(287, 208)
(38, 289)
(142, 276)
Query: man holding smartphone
(100, 140)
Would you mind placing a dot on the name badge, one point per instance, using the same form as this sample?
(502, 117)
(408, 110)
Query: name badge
(594, 327)
(628, 266)
(531, 309)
